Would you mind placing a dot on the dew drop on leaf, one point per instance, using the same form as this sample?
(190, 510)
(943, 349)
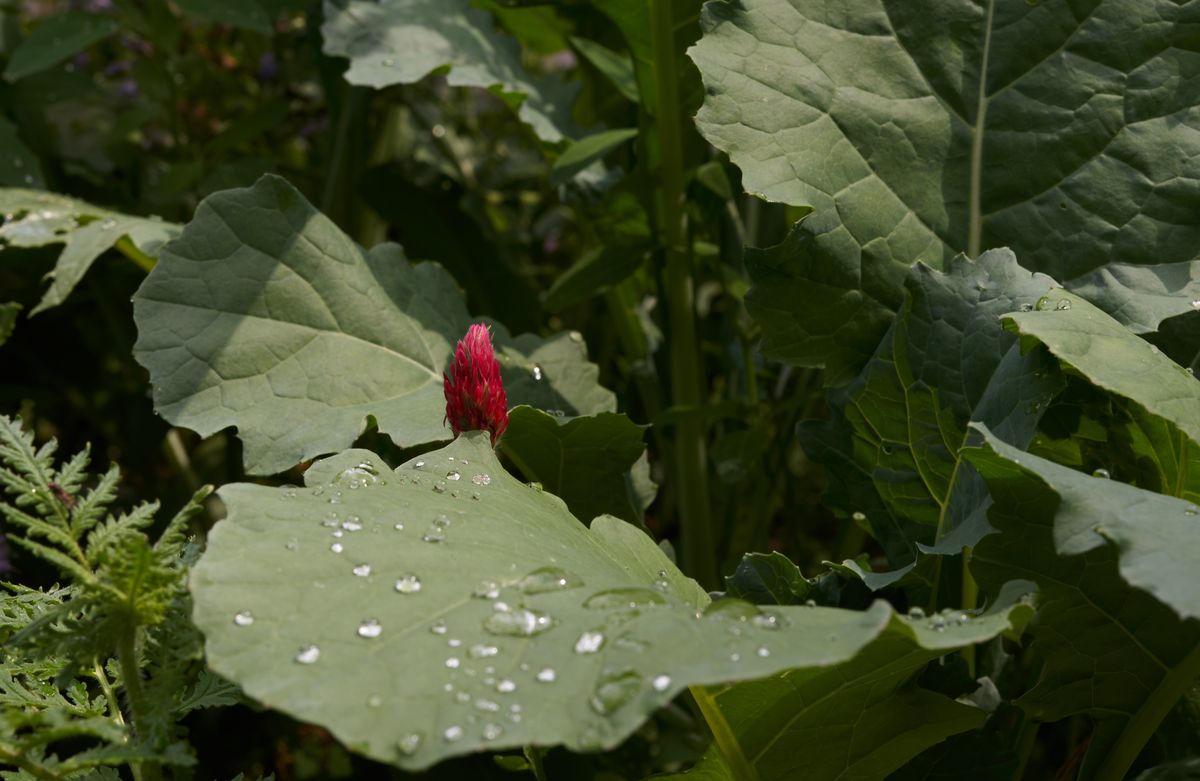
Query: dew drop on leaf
(537, 373)
(916, 612)
(625, 597)
(452, 733)
(409, 744)
(548, 579)
(370, 628)
(487, 706)
(506, 685)
(308, 654)
(362, 570)
(409, 584)
(438, 627)
(374, 701)
(336, 547)
(1102, 473)
(614, 690)
(453, 662)
(661, 682)
(763, 651)
(352, 524)
(492, 731)
(518, 622)
(1063, 305)
(546, 675)
(453, 474)
(589, 642)
(243, 618)
(481, 651)
(482, 479)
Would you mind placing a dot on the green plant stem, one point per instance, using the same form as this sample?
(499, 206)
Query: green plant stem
(975, 191)
(534, 755)
(691, 459)
(114, 707)
(970, 596)
(140, 259)
(1026, 740)
(723, 736)
(131, 677)
(1143, 724)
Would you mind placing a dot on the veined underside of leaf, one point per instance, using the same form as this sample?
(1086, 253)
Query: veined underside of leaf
(445, 607)
(918, 129)
(265, 316)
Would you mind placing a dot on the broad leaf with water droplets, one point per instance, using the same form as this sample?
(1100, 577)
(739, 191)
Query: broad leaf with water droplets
(527, 626)
(265, 316)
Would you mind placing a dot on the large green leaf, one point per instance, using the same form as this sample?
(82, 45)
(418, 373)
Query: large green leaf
(893, 445)
(1110, 650)
(34, 219)
(1111, 357)
(402, 41)
(445, 607)
(863, 718)
(585, 461)
(55, 39)
(265, 316)
(921, 129)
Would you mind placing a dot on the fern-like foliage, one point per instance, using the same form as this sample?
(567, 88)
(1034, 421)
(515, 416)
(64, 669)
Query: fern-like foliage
(120, 624)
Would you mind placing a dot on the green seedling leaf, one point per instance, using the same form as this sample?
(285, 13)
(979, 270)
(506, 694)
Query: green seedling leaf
(870, 717)
(8, 319)
(589, 149)
(1109, 630)
(617, 68)
(403, 41)
(18, 166)
(894, 440)
(34, 219)
(55, 39)
(768, 579)
(585, 461)
(245, 14)
(265, 316)
(1111, 357)
(418, 623)
(918, 130)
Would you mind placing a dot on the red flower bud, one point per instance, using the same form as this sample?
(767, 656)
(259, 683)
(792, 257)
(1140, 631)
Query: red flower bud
(475, 399)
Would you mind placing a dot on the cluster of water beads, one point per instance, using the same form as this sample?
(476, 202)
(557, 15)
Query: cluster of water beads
(939, 622)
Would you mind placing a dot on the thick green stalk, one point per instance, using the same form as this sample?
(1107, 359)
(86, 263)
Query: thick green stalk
(691, 459)
(131, 679)
(1143, 724)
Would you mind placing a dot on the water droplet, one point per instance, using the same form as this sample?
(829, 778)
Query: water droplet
(1026, 307)
(418, 464)
(292, 544)
(331, 522)
(362, 570)
(916, 613)
(398, 527)
(438, 627)
(735, 657)
(108, 224)
(453, 475)
(374, 701)
(452, 733)
(589, 642)
(434, 535)
(481, 651)
(338, 534)
(1063, 305)
(767, 621)
(492, 731)
(488, 589)
(937, 623)
(476, 497)
(352, 524)
(519, 622)
(461, 697)
(409, 744)
(859, 517)
(763, 651)
(1191, 510)
(335, 497)
(1103, 473)
(409, 584)
(1044, 303)
(487, 705)
(613, 690)
(1196, 303)
(440, 487)
(370, 628)
(482, 479)
(453, 662)
(336, 547)
(625, 597)
(308, 654)
(537, 373)
(661, 683)
(388, 62)
(547, 579)
(546, 675)
(244, 618)
(506, 685)
(575, 336)
(454, 642)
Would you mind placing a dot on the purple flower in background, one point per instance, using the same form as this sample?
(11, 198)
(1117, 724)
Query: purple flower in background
(268, 67)
(559, 62)
(128, 89)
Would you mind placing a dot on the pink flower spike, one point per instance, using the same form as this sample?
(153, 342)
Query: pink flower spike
(475, 398)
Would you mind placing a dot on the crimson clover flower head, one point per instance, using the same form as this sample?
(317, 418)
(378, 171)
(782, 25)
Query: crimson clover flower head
(475, 398)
